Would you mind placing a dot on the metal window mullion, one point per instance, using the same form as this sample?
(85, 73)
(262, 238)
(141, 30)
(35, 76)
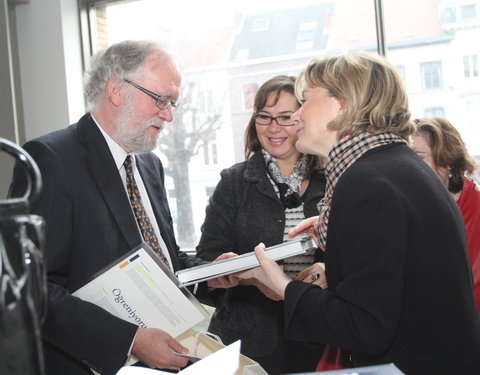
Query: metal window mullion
(380, 27)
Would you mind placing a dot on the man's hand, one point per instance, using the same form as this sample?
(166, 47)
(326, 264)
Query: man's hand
(155, 348)
(224, 281)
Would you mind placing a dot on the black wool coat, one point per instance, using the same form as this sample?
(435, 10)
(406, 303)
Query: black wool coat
(243, 211)
(399, 280)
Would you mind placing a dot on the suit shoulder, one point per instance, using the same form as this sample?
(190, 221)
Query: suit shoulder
(150, 159)
(59, 141)
(69, 136)
(56, 135)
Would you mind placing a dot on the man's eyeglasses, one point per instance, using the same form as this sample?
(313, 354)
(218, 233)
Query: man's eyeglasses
(161, 101)
(284, 120)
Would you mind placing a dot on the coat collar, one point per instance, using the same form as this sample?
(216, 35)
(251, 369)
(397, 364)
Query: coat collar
(256, 172)
(255, 169)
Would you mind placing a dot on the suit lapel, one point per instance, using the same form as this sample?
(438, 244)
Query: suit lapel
(109, 182)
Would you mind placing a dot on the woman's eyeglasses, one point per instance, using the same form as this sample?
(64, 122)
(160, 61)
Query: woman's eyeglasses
(284, 120)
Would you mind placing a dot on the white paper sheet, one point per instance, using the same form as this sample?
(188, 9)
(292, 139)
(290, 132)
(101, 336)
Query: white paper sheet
(137, 289)
(223, 362)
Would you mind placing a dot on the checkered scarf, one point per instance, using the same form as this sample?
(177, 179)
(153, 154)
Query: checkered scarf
(346, 152)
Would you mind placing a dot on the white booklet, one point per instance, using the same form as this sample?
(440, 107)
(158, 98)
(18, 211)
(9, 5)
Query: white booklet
(243, 262)
(223, 362)
(141, 289)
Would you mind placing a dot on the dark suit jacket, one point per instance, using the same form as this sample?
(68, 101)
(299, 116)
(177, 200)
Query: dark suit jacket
(89, 224)
(400, 284)
(243, 211)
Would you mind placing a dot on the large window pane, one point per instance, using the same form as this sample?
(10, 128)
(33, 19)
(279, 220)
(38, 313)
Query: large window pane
(228, 48)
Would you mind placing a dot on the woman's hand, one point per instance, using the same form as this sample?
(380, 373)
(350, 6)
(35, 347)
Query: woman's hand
(307, 226)
(269, 274)
(315, 274)
(262, 288)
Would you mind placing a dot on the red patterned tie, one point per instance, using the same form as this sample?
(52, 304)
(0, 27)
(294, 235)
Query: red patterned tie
(140, 214)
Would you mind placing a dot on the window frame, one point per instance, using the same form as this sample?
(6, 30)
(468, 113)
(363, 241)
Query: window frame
(470, 66)
(306, 34)
(434, 111)
(429, 77)
(260, 23)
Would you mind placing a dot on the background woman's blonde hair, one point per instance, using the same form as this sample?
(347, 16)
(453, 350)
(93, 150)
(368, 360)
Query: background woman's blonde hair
(369, 88)
(447, 148)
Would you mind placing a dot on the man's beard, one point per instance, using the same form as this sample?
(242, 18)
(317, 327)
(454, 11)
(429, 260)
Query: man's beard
(136, 141)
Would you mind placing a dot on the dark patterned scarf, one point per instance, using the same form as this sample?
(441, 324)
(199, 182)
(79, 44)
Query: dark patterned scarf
(294, 181)
(346, 152)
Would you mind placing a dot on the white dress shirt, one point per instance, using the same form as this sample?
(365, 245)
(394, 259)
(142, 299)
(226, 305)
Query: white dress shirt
(119, 156)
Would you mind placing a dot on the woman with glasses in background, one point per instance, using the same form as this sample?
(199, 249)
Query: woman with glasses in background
(257, 200)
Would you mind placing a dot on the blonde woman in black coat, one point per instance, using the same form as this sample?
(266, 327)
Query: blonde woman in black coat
(399, 280)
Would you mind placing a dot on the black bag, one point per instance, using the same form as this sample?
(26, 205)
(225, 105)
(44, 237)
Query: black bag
(22, 274)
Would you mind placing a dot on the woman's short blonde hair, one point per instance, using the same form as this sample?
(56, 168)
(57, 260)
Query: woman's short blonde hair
(369, 88)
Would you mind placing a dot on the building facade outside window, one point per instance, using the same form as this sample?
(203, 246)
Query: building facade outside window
(261, 24)
(434, 112)
(249, 91)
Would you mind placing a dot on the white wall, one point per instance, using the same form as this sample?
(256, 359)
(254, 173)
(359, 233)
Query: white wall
(50, 64)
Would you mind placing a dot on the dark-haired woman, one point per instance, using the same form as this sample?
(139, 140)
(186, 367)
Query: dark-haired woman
(257, 200)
